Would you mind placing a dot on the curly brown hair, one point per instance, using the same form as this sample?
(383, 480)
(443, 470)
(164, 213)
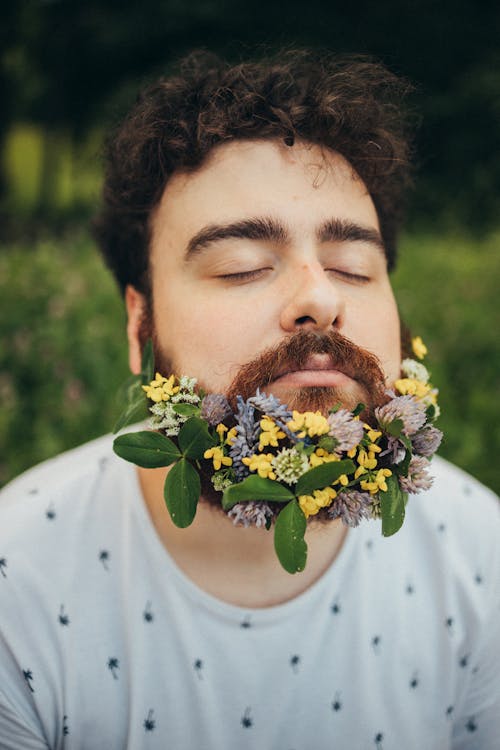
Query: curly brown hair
(351, 105)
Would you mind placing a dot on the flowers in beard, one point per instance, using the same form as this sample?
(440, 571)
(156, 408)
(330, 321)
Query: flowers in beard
(278, 467)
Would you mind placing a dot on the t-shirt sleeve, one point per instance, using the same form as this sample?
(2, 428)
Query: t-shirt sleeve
(18, 730)
(479, 725)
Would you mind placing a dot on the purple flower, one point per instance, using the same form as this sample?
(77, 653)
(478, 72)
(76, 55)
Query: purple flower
(247, 436)
(406, 408)
(351, 506)
(215, 408)
(346, 430)
(250, 514)
(395, 450)
(426, 441)
(418, 477)
(271, 406)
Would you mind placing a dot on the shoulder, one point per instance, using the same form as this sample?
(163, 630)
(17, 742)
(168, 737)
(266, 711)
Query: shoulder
(457, 523)
(61, 492)
(460, 498)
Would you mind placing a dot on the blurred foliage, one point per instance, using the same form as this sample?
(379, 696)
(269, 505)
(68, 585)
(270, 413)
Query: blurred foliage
(68, 68)
(63, 354)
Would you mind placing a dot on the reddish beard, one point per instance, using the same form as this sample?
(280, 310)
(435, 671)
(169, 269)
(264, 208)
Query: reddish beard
(362, 367)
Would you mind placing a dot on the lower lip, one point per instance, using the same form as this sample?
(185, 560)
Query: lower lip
(313, 378)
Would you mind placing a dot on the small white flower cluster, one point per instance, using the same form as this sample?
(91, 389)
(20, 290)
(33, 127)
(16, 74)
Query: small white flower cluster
(289, 464)
(164, 415)
(415, 370)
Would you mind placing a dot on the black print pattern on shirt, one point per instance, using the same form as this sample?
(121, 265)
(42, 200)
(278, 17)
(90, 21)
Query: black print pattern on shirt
(410, 589)
(478, 578)
(63, 617)
(464, 661)
(449, 622)
(28, 676)
(65, 726)
(198, 668)
(149, 723)
(246, 719)
(441, 528)
(337, 703)
(147, 615)
(295, 663)
(471, 725)
(335, 608)
(50, 513)
(378, 739)
(246, 623)
(113, 666)
(414, 682)
(449, 711)
(104, 558)
(376, 641)
(3, 565)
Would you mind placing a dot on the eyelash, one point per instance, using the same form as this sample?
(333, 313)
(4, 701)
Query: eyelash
(249, 275)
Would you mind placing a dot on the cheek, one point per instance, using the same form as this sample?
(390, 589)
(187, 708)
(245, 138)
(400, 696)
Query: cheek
(206, 339)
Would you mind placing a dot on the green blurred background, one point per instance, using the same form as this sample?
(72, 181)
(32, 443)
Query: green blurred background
(70, 69)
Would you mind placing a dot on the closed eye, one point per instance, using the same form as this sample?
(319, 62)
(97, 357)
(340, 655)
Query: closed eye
(358, 278)
(242, 276)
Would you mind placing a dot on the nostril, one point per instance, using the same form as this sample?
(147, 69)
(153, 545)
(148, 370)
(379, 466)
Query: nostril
(305, 319)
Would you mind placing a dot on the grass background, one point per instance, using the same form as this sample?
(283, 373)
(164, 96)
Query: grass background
(63, 352)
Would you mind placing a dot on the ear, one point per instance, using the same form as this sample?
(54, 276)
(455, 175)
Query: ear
(136, 309)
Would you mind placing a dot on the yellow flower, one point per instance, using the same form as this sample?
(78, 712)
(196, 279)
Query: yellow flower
(311, 504)
(309, 422)
(320, 456)
(231, 436)
(376, 482)
(270, 433)
(160, 389)
(372, 434)
(352, 452)
(221, 429)
(367, 460)
(218, 457)
(343, 480)
(412, 387)
(419, 348)
(261, 463)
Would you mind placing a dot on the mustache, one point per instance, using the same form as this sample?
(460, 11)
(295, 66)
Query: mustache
(293, 352)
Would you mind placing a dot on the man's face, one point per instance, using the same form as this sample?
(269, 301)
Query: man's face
(261, 242)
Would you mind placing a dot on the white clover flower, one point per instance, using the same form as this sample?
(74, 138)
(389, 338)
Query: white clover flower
(187, 383)
(289, 464)
(415, 370)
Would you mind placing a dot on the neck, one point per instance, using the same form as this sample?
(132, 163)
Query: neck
(237, 565)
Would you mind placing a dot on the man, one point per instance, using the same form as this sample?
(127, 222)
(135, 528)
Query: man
(250, 210)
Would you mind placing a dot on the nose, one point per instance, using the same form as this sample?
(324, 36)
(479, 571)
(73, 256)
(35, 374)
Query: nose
(313, 301)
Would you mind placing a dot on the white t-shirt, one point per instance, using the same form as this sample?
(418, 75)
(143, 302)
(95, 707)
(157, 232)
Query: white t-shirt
(105, 644)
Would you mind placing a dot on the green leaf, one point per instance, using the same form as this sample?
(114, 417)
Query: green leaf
(359, 408)
(186, 410)
(194, 438)
(401, 469)
(147, 449)
(392, 506)
(323, 475)
(135, 412)
(289, 542)
(395, 427)
(430, 413)
(182, 491)
(255, 488)
(148, 363)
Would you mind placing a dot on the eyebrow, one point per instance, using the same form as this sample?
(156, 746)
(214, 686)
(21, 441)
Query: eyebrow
(270, 230)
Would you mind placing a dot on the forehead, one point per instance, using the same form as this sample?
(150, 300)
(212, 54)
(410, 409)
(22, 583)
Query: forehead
(301, 186)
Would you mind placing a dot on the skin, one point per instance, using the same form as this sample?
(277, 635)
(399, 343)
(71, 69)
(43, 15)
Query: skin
(210, 319)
